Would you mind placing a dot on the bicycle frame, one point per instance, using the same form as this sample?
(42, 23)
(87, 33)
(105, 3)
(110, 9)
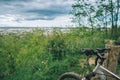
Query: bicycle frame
(99, 67)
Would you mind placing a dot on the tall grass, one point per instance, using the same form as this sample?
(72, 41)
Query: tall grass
(35, 56)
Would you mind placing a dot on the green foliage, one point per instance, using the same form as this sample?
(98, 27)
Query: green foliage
(56, 46)
(35, 56)
(99, 13)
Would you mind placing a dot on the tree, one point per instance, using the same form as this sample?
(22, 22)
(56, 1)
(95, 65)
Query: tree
(104, 13)
(115, 5)
(83, 11)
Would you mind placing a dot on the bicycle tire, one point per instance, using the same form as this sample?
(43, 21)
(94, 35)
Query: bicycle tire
(70, 75)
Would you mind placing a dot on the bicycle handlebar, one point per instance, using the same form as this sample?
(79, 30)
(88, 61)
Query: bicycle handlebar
(89, 51)
(99, 52)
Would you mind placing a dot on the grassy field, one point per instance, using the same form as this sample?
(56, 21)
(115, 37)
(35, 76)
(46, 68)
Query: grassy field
(35, 56)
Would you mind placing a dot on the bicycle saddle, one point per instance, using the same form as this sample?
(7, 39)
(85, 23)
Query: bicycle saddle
(102, 50)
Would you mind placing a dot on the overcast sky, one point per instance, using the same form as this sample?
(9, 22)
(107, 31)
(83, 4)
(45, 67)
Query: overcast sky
(33, 13)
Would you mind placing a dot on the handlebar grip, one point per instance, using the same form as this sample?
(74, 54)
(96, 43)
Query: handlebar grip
(87, 51)
(84, 50)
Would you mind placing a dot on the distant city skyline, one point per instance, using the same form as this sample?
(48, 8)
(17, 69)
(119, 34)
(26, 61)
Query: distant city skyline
(35, 13)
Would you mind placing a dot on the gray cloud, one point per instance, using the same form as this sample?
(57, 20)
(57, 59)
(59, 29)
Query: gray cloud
(13, 0)
(43, 12)
(35, 9)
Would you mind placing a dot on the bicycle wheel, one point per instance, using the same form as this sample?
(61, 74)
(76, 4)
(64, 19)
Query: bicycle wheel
(70, 76)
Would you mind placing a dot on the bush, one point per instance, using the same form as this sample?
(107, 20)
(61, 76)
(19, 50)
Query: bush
(56, 46)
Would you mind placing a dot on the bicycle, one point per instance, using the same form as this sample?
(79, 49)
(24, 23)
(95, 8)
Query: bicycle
(98, 69)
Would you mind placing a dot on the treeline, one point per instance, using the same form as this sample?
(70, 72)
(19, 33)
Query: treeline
(97, 13)
(35, 56)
